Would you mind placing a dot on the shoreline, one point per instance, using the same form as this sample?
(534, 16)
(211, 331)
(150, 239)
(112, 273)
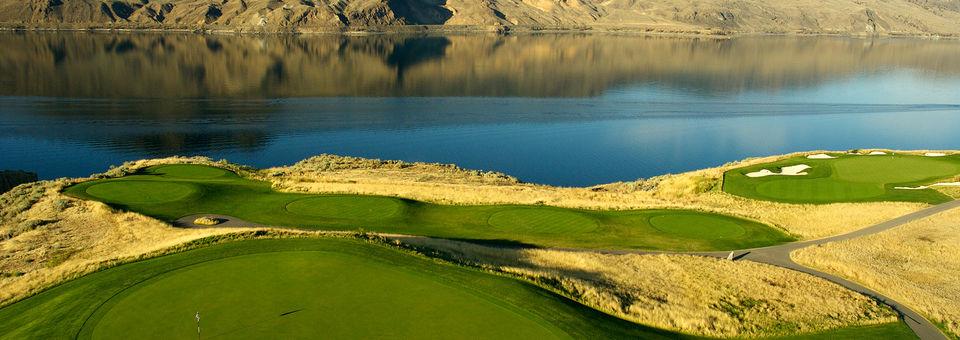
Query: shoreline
(484, 30)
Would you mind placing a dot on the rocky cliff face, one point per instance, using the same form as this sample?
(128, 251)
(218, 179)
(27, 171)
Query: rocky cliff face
(855, 17)
(10, 179)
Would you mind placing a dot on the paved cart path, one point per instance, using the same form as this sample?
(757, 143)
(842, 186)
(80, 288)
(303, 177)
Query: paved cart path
(780, 256)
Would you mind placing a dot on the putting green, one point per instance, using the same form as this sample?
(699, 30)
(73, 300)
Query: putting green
(168, 192)
(690, 225)
(347, 207)
(549, 221)
(131, 192)
(893, 169)
(324, 294)
(304, 289)
(847, 178)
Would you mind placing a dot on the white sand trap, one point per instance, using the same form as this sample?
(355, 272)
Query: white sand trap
(877, 153)
(821, 156)
(794, 170)
(945, 184)
(934, 154)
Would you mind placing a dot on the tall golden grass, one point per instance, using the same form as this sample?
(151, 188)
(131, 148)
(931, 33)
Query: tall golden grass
(917, 264)
(78, 238)
(690, 294)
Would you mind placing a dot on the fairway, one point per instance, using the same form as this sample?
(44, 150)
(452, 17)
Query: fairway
(847, 178)
(696, 225)
(542, 220)
(146, 192)
(347, 207)
(169, 192)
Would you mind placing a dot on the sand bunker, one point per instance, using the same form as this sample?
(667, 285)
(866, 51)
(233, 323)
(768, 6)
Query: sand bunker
(821, 156)
(934, 154)
(795, 170)
(877, 153)
(208, 221)
(945, 184)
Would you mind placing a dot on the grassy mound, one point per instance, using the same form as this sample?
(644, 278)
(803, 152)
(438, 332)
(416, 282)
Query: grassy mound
(847, 178)
(230, 194)
(303, 288)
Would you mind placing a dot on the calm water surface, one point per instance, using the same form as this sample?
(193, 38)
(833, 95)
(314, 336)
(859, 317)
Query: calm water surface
(556, 109)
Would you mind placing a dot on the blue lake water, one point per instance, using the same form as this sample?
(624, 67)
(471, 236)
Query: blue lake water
(568, 110)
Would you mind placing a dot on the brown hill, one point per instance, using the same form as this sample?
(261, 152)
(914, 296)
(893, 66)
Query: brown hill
(853, 17)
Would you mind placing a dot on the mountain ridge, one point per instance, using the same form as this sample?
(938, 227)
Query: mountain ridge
(720, 17)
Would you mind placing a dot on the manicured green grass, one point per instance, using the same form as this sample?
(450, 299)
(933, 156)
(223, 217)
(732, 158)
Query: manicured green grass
(319, 288)
(304, 288)
(847, 178)
(172, 191)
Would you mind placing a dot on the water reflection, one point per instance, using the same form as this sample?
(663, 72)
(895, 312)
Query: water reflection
(559, 109)
(199, 66)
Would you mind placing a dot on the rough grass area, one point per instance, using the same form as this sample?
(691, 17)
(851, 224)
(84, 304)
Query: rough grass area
(847, 178)
(690, 294)
(916, 264)
(172, 191)
(304, 288)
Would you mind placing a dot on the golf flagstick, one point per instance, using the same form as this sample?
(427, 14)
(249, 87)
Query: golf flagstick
(198, 325)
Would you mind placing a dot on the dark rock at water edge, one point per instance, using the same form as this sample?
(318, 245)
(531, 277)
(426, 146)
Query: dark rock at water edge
(12, 178)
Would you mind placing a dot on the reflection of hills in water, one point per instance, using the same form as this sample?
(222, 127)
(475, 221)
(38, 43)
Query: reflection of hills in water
(157, 95)
(202, 66)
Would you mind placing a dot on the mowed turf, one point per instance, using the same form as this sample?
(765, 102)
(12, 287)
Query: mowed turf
(319, 288)
(304, 289)
(172, 191)
(847, 178)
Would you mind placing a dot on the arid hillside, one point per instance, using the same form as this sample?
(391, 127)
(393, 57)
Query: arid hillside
(853, 17)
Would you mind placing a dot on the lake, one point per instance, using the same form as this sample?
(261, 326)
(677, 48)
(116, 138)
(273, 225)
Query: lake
(561, 109)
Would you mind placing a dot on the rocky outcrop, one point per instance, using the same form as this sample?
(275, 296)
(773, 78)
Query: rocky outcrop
(850, 17)
(10, 179)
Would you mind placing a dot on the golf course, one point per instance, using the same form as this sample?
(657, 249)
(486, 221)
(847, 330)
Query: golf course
(169, 192)
(309, 288)
(845, 178)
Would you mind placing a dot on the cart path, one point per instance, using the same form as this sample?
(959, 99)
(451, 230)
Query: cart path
(780, 256)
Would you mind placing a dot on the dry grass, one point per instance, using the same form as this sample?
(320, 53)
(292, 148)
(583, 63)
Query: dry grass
(77, 237)
(693, 190)
(685, 293)
(917, 264)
